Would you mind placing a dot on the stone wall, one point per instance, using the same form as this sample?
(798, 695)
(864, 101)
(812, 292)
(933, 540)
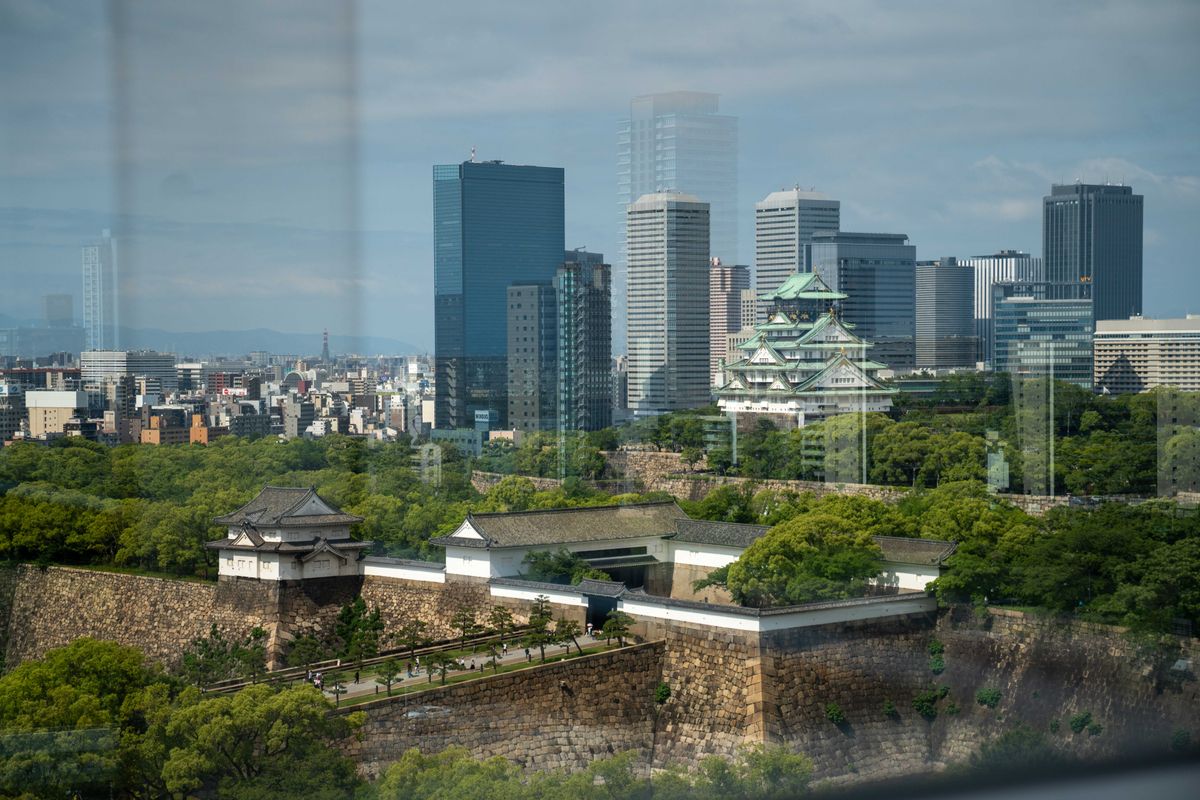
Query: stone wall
(555, 716)
(52, 607)
(485, 481)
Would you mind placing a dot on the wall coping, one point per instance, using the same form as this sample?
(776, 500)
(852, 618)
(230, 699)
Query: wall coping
(385, 700)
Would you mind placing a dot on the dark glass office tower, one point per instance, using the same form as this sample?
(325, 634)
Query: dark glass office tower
(878, 272)
(584, 288)
(494, 225)
(1092, 246)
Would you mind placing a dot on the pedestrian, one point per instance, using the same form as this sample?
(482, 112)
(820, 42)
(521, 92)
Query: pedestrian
(504, 649)
(308, 676)
(472, 666)
(410, 672)
(356, 676)
(528, 655)
(589, 629)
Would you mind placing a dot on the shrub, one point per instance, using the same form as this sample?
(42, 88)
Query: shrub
(988, 696)
(1054, 726)
(662, 693)
(833, 712)
(1095, 729)
(1181, 740)
(890, 711)
(1080, 721)
(937, 664)
(925, 703)
(936, 648)
(952, 708)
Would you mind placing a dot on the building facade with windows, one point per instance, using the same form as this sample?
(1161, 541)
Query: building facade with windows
(877, 272)
(495, 225)
(98, 366)
(1035, 334)
(1004, 266)
(1138, 354)
(532, 357)
(945, 320)
(1092, 246)
(667, 306)
(584, 295)
(101, 301)
(784, 222)
(726, 284)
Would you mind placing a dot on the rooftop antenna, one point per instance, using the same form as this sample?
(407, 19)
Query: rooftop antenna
(472, 154)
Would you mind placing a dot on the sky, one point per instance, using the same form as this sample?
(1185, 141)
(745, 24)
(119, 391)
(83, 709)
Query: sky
(269, 164)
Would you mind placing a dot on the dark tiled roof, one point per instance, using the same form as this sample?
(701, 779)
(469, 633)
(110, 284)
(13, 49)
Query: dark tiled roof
(640, 596)
(601, 588)
(404, 562)
(926, 552)
(289, 548)
(279, 505)
(541, 586)
(727, 534)
(570, 525)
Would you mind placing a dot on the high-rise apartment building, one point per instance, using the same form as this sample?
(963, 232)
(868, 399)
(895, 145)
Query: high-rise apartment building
(98, 366)
(532, 357)
(1092, 246)
(784, 223)
(1035, 334)
(945, 319)
(878, 273)
(1005, 266)
(678, 142)
(495, 225)
(585, 387)
(726, 283)
(667, 317)
(1136, 355)
(101, 302)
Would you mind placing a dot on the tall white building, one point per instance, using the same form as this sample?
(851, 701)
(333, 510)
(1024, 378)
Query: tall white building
(1006, 266)
(679, 142)
(1138, 354)
(97, 366)
(667, 303)
(101, 305)
(784, 222)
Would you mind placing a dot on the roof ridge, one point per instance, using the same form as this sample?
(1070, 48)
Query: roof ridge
(648, 503)
(312, 491)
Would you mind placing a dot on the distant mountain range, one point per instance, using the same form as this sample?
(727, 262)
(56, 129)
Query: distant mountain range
(237, 343)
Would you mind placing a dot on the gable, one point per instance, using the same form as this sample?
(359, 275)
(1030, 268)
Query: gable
(466, 531)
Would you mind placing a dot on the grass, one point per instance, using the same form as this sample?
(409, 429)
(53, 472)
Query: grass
(467, 675)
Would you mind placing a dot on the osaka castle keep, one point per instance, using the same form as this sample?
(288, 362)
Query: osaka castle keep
(804, 363)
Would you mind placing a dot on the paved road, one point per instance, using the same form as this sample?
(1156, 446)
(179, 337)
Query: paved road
(368, 683)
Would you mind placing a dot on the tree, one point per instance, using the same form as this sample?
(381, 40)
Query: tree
(412, 635)
(501, 621)
(358, 631)
(214, 658)
(691, 456)
(567, 632)
(463, 621)
(616, 626)
(440, 661)
(899, 452)
(261, 743)
(306, 650)
(388, 672)
(539, 634)
(560, 566)
(817, 556)
(494, 655)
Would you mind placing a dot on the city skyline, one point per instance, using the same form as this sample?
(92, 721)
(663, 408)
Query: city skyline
(344, 243)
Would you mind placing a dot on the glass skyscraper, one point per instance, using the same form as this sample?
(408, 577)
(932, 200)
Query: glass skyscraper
(101, 305)
(878, 272)
(494, 225)
(1092, 246)
(1037, 335)
(1006, 266)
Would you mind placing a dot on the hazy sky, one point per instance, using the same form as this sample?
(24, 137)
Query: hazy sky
(269, 164)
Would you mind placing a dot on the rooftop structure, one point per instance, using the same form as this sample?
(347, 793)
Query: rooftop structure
(804, 363)
(288, 533)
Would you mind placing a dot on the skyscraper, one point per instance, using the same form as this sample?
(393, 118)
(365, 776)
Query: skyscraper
(532, 357)
(784, 223)
(1092, 246)
(725, 286)
(945, 319)
(667, 322)
(495, 225)
(1037, 335)
(1005, 266)
(101, 304)
(878, 272)
(585, 388)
